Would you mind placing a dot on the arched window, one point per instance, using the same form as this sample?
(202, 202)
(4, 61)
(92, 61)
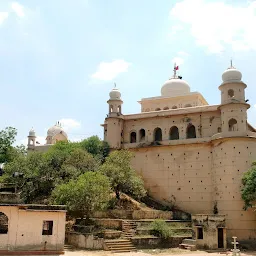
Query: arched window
(158, 134)
(188, 106)
(191, 131)
(157, 109)
(3, 223)
(174, 133)
(110, 108)
(232, 125)
(133, 137)
(231, 93)
(142, 134)
(174, 107)
(219, 129)
(119, 109)
(166, 108)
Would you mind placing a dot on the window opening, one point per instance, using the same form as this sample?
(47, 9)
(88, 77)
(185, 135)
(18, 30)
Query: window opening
(133, 137)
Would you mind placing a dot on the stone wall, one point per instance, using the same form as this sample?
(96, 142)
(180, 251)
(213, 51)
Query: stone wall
(134, 214)
(156, 242)
(84, 241)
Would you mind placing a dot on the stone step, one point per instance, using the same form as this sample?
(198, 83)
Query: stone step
(122, 245)
(189, 241)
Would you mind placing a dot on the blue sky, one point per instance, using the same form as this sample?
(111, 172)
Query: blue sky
(60, 58)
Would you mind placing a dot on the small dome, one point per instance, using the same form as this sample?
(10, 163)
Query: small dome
(115, 94)
(56, 129)
(231, 75)
(175, 87)
(32, 132)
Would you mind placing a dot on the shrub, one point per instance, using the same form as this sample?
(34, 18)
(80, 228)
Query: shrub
(160, 228)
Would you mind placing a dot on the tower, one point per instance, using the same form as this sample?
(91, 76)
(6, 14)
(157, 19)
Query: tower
(31, 139)
(113, 127)
(233, 105)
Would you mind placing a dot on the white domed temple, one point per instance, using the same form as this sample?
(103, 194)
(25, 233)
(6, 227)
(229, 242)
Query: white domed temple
(54, 134)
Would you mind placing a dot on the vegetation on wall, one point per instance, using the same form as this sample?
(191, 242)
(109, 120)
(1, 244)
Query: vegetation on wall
(121, 175)
(161, 229)
(249, 187)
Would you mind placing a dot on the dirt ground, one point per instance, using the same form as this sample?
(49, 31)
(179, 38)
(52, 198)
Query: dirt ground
(173, 252)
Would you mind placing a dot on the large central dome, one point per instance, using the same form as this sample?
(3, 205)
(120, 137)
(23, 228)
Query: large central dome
(175, 87)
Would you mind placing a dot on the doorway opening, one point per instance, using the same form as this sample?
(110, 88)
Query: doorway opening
(220, 238)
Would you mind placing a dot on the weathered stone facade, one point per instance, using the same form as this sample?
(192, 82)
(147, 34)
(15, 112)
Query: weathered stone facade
(189, 153)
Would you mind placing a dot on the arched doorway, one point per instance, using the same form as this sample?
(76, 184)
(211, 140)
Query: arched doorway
(174, 133)
(158, 134)
(3, 223)
(232, 125)
(191, 131)
(142, 135)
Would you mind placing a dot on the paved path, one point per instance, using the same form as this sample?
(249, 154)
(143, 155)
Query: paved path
(152, 253)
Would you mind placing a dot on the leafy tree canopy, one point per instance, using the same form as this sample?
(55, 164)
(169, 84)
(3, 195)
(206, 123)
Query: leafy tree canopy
(89, 193)
(121, 175)
(7, 138)
(249, 187)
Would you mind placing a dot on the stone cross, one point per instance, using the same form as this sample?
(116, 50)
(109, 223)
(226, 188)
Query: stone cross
(235, 251)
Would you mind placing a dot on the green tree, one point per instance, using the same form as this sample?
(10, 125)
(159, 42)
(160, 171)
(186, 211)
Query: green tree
(89, 193)
(96, 147)
(249, 187)
(122, 176)
(32, 176)
(7, 138)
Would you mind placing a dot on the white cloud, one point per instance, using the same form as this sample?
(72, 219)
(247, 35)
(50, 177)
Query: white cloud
(178, 60)
(69, 124)
(216, 25)
(18, 9)
(3, 16)
(182, 53)
(107, 71)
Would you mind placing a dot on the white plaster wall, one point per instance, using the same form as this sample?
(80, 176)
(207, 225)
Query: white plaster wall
(25, 229)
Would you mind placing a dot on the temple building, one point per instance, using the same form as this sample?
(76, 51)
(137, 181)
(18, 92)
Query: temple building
(54, 134)
(191, 154)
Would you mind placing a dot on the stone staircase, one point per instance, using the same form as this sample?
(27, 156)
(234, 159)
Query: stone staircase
(119, 245)
(128, 228)
(189, 244)
(68, 247)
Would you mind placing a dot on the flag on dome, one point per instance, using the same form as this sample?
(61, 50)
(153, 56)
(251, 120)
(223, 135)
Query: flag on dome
(177, 68)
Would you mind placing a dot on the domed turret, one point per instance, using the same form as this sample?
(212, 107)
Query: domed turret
(175, 86)
(32, 133)
(115, 102)
(115, 94)
(31, 139)
(231, 75)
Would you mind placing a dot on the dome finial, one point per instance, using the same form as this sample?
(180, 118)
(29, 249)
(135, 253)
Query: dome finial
(231, 63)
(114, 85)
(175, 70)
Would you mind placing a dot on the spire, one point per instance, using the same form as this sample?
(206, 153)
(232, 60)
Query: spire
(114, 85)
(231, 64)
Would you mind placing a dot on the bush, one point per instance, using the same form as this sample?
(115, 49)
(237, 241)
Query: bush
(160, 228)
